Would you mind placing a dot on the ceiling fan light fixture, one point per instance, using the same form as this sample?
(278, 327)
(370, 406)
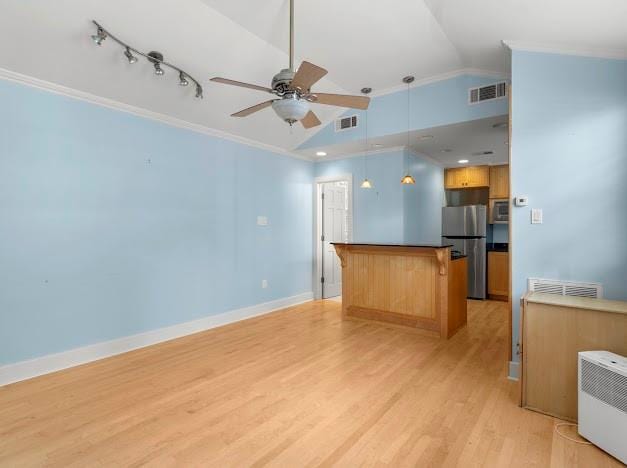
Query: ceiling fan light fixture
(291, 108)
(408, 180)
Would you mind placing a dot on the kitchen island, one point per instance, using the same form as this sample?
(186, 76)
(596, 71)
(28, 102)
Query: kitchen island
(420, 286)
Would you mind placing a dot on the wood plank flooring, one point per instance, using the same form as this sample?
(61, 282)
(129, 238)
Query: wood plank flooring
(299, 387)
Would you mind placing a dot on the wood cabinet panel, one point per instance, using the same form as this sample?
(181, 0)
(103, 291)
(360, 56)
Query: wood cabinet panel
(552, 335)
(498, 273)
(477, 176)
(454, 178)
(467, 177)
(499, 181)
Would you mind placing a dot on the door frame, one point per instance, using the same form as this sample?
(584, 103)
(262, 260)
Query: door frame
(317, 225)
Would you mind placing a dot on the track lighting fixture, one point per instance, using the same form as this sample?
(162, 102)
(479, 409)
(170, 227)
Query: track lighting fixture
(155, 58)
(131, 58)
(99, 36)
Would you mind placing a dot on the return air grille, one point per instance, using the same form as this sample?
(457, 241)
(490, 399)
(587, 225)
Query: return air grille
(487, 93)
(605, 385)
(346, 123)
(565, 288)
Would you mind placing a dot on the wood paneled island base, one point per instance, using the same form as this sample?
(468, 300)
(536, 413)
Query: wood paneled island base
(412, 285)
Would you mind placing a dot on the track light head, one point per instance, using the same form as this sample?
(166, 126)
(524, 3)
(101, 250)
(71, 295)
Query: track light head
(100, 36)
(130, 57)
(156, 58)
(182, 80)
(198, 91)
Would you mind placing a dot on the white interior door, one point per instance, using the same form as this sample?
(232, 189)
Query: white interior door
(334, 229)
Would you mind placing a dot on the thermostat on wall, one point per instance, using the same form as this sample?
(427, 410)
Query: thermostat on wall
(521, 201)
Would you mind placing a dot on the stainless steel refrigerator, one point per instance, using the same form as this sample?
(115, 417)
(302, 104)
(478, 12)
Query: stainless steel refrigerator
(465, 228)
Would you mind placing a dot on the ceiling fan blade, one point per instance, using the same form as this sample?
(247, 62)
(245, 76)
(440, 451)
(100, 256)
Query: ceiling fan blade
(217, 79)
(306, 76)
(253, 109)
(310, 120)
(341, 100)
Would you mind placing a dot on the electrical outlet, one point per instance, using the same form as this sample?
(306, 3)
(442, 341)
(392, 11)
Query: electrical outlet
(264, 284)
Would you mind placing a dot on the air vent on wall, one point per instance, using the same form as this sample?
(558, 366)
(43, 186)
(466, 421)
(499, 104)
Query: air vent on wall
(565, 288)
(345, 123)
(487, 93)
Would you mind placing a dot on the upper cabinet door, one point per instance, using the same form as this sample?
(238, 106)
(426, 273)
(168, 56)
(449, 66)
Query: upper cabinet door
(499, 181)
(454, 178)
(477, 176)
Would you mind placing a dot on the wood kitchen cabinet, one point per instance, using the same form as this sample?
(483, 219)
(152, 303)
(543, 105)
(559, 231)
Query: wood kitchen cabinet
(499, 181)
(467, 177)
(498, 275)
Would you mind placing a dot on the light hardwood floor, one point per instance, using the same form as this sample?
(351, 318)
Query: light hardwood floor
(298, 387)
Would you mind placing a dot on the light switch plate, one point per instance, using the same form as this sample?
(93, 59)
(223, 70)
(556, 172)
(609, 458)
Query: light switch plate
(262, 221)
(536, 216)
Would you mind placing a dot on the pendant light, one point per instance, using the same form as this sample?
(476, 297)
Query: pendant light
(366, 184)
(408, 179)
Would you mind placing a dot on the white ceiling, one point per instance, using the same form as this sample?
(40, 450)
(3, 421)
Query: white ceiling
(461, 139)
(360, 43)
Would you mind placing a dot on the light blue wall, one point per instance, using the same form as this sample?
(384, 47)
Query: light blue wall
(569, 155)
(498, 233)
(441, 103)
(377, 212)
(391, 212)
(97, 242)
(423, 201)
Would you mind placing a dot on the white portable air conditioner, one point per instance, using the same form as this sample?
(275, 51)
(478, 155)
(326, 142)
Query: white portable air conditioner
(603, 401)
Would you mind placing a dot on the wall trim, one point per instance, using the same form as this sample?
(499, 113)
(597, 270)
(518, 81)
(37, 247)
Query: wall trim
(74, 357)
(428, 158)
(617, 54)
(514, 370)
(360, 153)
(55, 88)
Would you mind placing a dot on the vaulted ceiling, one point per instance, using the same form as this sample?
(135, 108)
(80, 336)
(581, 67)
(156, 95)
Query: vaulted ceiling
(360, 43)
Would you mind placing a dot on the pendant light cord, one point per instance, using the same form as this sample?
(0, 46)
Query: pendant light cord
(366, 150)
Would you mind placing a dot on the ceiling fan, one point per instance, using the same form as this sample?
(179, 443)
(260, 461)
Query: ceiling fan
(293, 90)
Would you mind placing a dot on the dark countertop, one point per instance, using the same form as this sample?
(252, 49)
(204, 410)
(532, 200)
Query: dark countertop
(457, 256)
(497, 247)
(429, 246)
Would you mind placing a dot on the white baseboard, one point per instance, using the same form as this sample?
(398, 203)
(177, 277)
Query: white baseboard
(514, 370)
(54, 362)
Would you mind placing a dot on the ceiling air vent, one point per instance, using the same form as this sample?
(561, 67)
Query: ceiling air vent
(487, 93)
(565, 288)
(345, 123)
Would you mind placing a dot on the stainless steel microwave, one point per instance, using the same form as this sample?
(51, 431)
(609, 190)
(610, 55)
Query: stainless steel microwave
(499, 211)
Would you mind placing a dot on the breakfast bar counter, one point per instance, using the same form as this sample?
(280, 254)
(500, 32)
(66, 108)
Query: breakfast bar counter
(419, 286)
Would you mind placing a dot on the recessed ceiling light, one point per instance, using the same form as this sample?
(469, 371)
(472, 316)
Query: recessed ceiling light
(462, 161)
(320, 153)
(426, 137)
(446, 150)
(377, 145)
(500, 125)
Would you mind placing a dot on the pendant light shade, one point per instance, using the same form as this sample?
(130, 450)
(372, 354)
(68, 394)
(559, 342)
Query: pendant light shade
(366, 184)
(408, 180)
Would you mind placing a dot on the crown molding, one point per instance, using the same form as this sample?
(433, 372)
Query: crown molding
(441, 77)
(616, 54)
(55, 88)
